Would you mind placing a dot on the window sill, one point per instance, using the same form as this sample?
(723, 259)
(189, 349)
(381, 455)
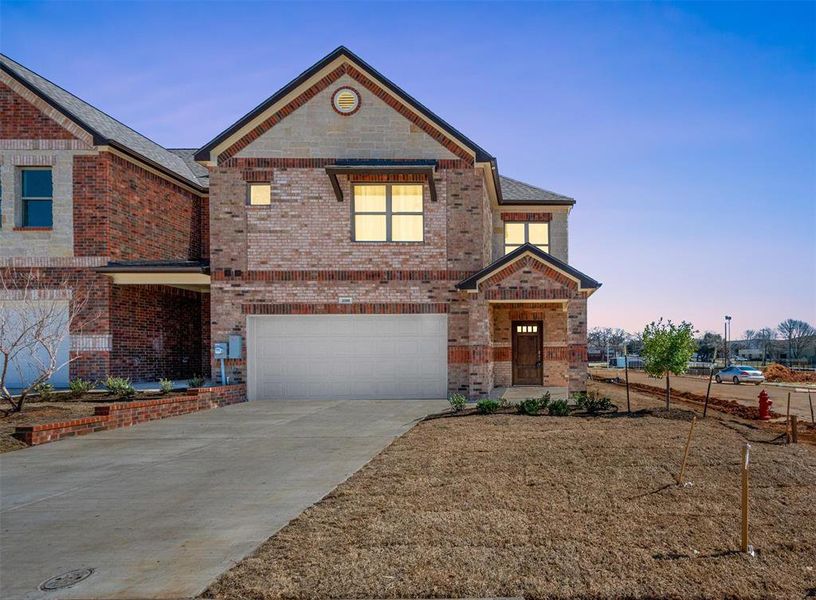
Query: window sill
(33, 229)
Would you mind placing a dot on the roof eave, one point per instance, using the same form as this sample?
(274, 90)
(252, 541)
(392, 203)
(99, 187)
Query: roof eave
(585, 282)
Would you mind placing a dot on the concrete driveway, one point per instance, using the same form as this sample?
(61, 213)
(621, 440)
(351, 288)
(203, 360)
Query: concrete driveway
(161, 509)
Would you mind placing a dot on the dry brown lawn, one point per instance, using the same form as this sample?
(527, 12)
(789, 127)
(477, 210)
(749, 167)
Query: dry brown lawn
(549, 507)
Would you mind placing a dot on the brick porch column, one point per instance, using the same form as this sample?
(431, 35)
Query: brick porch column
(481, 361)
(577, 340)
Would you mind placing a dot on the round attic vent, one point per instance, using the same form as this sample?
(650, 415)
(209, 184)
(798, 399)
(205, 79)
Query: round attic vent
(346, 101)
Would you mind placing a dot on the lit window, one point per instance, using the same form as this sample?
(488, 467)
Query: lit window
(37, 197)
(516, 234)
(526, 328)
(260, 194)
(387, 213)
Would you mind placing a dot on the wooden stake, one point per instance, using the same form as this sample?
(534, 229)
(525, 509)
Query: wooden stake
(787, 422)
(746, 455)
(810, 401)
(685, 454)
(795, 429)
(626, 370)
(710, 377)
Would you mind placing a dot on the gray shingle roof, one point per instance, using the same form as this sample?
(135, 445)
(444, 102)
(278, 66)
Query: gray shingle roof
(188, 156)
(105, 128)
(518, 192)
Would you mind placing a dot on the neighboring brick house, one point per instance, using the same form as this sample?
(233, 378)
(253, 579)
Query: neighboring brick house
(365, 248)
(86, 200)
(358, 244)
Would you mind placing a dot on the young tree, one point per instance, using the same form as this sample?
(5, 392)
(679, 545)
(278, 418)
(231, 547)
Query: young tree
(35, 320)
(667, 349)
(797, 334)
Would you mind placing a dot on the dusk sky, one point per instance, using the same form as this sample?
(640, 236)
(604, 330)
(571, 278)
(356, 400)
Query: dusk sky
(686, 132)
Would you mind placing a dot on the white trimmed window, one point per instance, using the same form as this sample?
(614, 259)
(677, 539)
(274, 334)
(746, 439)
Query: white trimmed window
(387, 212)
(516, 234)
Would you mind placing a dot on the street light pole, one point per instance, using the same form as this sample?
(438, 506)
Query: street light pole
(727, 332)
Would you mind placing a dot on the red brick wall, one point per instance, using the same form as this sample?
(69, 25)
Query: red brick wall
(114, 416)
(156, 332)
(91, 199)
(150, 217)
(20, 120)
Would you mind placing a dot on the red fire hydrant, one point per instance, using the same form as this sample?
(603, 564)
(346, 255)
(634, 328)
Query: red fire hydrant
(764, 406)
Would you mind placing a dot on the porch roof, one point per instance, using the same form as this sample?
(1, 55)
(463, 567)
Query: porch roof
(186, 274)
(585, 282)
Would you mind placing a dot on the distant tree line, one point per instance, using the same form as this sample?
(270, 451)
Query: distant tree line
(791, 341)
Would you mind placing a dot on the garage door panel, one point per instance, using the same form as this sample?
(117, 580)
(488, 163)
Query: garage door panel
(347, 356)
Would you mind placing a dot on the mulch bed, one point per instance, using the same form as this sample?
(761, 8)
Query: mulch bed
(551, 507)
(37, 413)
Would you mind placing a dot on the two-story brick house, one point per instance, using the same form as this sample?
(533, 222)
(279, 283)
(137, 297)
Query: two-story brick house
(95, 210)
(359, 245)
(365, 248)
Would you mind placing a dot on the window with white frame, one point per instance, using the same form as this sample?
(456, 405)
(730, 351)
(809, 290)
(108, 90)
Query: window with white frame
(387, 212)
(516, 234)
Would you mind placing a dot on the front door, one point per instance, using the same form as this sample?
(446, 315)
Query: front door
(527, 369)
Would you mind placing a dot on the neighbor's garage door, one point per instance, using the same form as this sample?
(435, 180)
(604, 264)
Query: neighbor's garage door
(347, 356)
(19, 315)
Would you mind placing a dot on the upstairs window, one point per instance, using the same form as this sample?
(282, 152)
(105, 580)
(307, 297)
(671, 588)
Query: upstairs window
(259, 194)
(516, 234)
(389, 212)
(37, 197)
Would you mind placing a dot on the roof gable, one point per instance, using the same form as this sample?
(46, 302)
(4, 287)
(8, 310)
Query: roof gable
(557, 273)
(341, 62)
(104, 129)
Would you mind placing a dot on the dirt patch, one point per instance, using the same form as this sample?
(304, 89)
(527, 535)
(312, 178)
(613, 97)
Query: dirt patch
(781, 373)
(616, 389)
(38, 413)
(549, 507)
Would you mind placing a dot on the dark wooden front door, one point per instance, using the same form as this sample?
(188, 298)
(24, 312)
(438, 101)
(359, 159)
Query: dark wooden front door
(527, 369)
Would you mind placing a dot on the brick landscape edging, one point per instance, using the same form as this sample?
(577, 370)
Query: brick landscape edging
(125, 414)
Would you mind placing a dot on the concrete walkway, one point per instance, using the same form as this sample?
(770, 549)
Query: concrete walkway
(161, 509)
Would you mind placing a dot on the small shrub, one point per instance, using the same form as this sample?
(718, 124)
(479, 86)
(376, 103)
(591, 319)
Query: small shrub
(592, 404)
(196, 381)
(558, 408)
(457, 402)
(79, 386)
(44, 390)
(487, 406)
(120, 387)
(165, 386)
(533, 406)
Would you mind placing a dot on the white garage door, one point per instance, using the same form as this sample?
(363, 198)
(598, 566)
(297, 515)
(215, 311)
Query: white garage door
(347, 356)
(26, 366)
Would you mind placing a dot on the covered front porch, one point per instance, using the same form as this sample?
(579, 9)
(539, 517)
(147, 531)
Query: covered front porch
(159, 316)
(527, 326)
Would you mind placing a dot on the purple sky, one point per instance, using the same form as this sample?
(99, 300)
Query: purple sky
(686, 132)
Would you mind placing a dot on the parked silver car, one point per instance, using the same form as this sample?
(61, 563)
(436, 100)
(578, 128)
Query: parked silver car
(740, 374)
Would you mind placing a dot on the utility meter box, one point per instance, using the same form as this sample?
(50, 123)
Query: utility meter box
(235, 342)
(220, 350)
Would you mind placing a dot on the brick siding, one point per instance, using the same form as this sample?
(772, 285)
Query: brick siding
(157, 332)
